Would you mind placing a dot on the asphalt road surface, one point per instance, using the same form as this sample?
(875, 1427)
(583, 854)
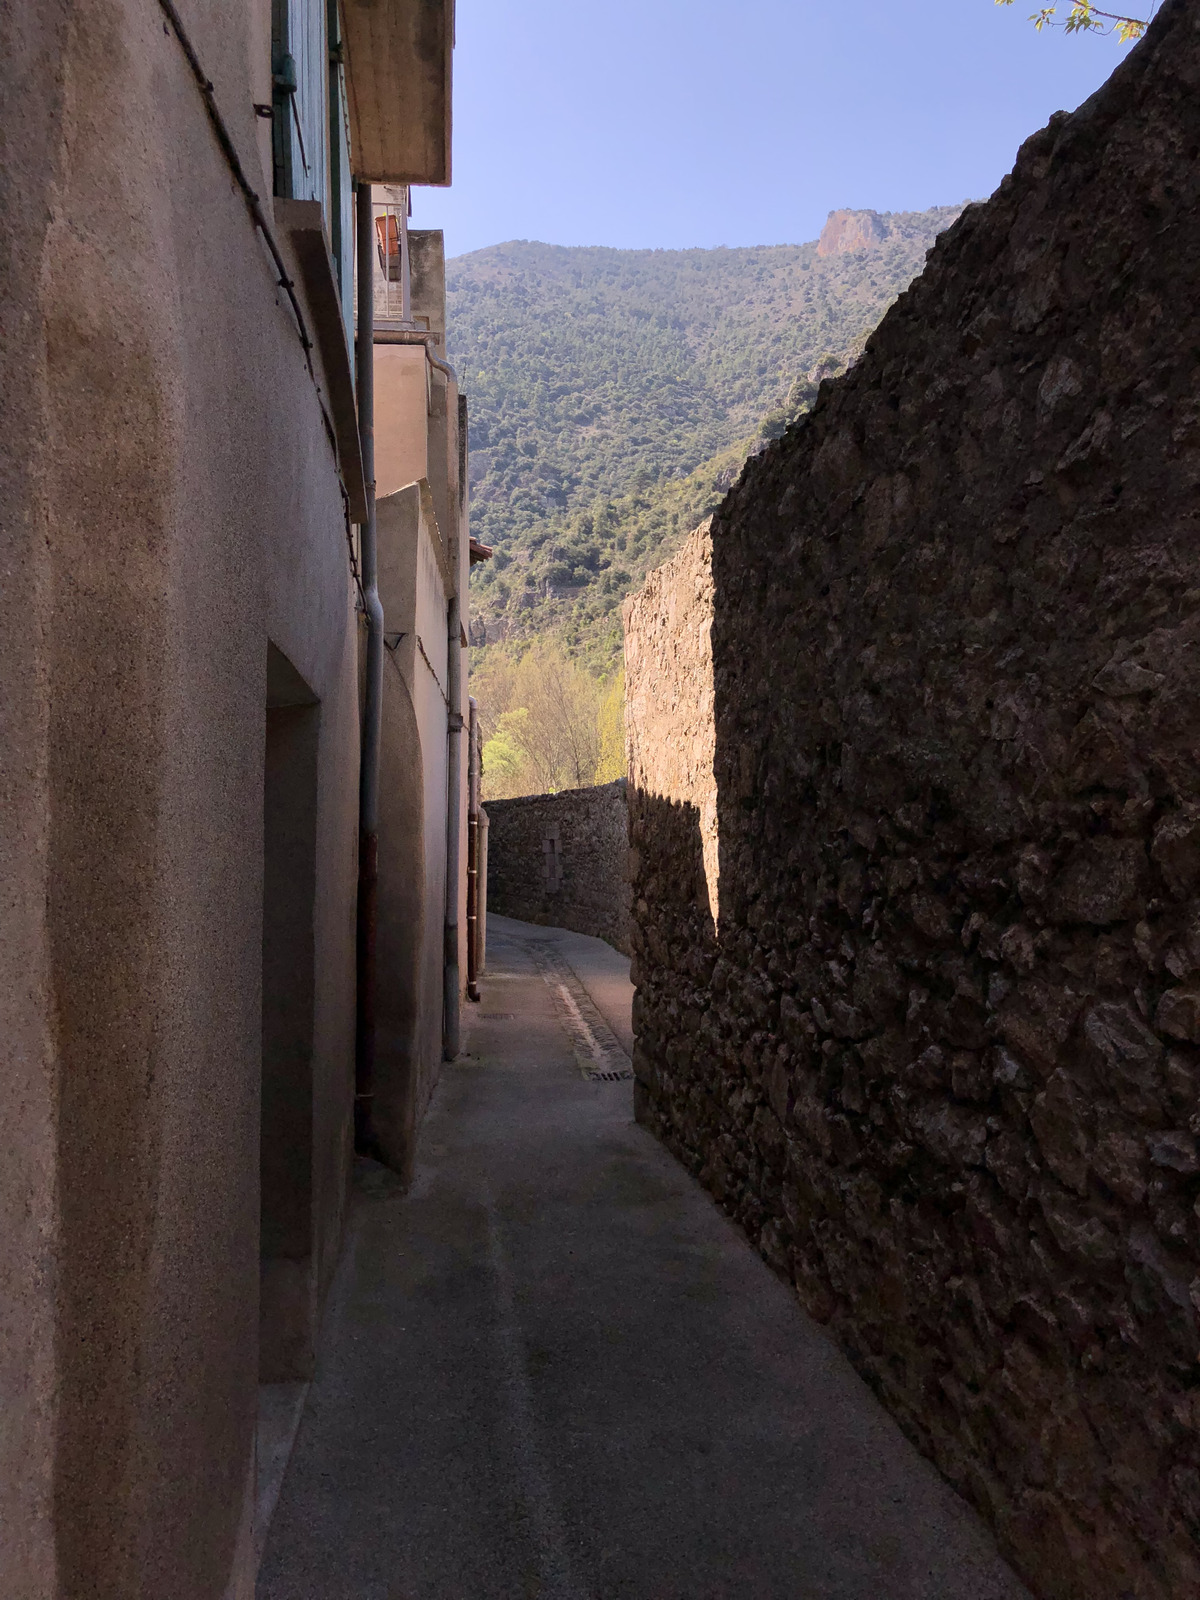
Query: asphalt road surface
(553, 1370)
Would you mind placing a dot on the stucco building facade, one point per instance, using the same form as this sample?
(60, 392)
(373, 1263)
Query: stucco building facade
(420, 438)
(180, 702)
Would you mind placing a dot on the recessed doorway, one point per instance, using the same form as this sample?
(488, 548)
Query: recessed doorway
(288, 1287)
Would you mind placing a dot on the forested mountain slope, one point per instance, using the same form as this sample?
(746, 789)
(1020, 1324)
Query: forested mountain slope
(614, 393)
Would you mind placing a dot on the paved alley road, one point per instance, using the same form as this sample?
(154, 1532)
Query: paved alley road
(554, 1371)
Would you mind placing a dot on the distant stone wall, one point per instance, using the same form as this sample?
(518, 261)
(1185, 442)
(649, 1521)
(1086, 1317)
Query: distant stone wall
(939, 1057)
(563, 860)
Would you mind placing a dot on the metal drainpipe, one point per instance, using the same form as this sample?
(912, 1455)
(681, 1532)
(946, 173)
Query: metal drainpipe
(368, 793)
(451, 979)
(473, 851)
(454, 728)
(481, 890)
(405, 260)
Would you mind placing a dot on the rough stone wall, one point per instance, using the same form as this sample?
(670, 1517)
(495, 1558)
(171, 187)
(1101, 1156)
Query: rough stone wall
(562, 860)
(669, 694)
(940, 1060)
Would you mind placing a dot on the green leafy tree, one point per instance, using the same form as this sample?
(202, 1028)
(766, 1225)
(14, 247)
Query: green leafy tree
(615, 395)
(611, 763)
(504, 755)
(548, 722)
(1084, 17)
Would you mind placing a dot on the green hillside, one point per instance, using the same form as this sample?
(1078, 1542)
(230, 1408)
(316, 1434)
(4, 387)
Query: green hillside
(614, 394)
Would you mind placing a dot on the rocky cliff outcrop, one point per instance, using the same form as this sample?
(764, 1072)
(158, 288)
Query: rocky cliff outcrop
(941, 1056)
(846, 231)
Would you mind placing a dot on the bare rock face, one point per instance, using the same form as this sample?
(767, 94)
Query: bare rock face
(845, 231)
(940, 1053)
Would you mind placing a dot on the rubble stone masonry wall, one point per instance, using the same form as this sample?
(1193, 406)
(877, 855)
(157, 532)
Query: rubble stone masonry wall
(939, 1056)
(669, 698)
(562, 860)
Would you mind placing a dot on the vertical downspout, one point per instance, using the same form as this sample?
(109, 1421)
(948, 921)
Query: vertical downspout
(450, 974)
(481, 891)
(473, 851)
(479, 838)
(405, 260)
(368, 793)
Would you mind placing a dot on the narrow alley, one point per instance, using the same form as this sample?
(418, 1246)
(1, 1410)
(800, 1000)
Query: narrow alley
(489, 520)
(554, 1369)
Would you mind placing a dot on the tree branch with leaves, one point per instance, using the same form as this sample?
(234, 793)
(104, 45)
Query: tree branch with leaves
(1084, 17)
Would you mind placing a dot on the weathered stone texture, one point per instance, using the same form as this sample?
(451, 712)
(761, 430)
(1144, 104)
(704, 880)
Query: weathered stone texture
(847, 231)
(940, 1059)
(669, 691)
(563, 860)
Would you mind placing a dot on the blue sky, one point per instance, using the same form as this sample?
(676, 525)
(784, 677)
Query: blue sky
(644, 123)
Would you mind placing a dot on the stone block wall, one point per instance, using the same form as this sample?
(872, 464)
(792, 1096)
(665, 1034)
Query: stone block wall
(939, 1054)
(669, 697)
(562, 860)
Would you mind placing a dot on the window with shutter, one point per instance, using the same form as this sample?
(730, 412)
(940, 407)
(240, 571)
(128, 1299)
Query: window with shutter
(340, 210)
(300, 55)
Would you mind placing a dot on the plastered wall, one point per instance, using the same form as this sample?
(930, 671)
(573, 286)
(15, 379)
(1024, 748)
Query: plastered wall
(170, 505)
(414, 577)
